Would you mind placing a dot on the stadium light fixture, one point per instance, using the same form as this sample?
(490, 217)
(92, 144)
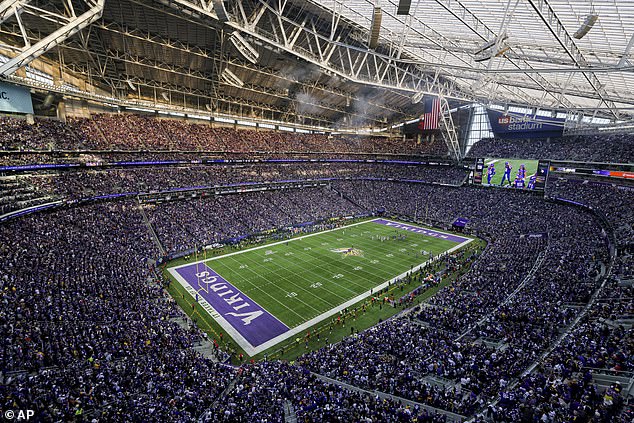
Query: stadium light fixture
(495, 47)
(417, 97)
(586, 26)
(491, 43)
(244, 47)
(497, 53)
(403, 7)
(231, 78)
(375, 29)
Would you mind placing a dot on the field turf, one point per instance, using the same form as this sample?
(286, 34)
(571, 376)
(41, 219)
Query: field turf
(298, 280)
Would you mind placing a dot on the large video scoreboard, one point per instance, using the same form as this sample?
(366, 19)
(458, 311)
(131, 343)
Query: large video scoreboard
(510, 173)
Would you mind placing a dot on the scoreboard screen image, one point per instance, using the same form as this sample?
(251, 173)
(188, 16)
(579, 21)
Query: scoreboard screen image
(511, 173)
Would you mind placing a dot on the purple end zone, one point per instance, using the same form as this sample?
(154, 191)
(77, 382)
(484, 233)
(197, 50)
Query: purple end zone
(422, 231)
(253, 322)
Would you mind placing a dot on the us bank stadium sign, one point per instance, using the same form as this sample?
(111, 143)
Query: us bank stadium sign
(524, 126)
(523, 123)
(15, 99)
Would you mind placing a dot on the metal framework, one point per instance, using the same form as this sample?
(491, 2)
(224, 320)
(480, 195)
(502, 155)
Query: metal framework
(175, 52)
(416, 56)
(449, 130)
(67, 24)
(556, 27)
(319, 42)
(444, 34)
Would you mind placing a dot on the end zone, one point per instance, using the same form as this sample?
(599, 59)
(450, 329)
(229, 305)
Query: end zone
(241, 317)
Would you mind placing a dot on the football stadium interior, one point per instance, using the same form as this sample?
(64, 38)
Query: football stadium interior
(317, 211)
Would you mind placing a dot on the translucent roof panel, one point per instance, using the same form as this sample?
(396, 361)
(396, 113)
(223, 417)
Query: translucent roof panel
(540, 57)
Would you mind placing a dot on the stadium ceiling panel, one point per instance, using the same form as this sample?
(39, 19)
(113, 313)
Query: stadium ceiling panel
(309, 61)
(539, 51)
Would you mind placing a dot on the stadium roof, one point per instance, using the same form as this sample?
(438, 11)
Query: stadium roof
(542, 56)
(310, 61)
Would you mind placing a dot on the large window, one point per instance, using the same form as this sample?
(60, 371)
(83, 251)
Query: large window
(39, 76)
(479, 128)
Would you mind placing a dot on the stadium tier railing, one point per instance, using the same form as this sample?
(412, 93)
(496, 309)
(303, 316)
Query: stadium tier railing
(453, 417)
(206, 161)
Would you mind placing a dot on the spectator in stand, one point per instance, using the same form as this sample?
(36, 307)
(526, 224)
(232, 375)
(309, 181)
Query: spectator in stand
(613, 200)
(143, 132)
(89, 333)
(606, 148)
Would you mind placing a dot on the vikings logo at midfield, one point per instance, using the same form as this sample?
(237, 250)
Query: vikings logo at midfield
(348, 251)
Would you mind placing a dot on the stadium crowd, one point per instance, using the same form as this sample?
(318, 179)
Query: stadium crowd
(480, 333)
(454, 353)
(181, 225)
(25, 189)
(89, 332)
(18, 193)
(562, 387)
(92, 335)
(44, 134)
(604, 148)
(262, 391)
(86, 325)
(129, 132)
(612, 200)
(84, 184)
(137, 132)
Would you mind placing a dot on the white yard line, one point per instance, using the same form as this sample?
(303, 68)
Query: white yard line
(274, 243)
(301, 328)
(263, 291)
(300, 276)
(352, 282)
(246, 345)
(326, 280)
(309, 235)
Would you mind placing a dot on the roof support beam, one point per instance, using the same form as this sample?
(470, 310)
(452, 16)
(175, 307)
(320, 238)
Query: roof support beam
(128, 58)
(624, 59)
(312, 86)
(479, 28)
(449, 130)
(9, 8)
(137, 34)
(342, 58)
(70, 25)
(335, 57)
(547, 14)
(466, 16)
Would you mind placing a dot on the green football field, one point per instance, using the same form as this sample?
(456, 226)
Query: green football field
(531, 168)
(299, 279)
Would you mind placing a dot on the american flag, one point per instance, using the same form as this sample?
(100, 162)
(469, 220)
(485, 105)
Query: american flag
(430, 119)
